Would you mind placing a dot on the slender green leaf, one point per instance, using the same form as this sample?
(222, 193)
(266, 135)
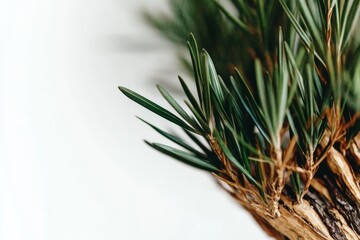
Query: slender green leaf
(155, 108)
(178, 108)
(184, 157)
(175, 139)
(232, 159)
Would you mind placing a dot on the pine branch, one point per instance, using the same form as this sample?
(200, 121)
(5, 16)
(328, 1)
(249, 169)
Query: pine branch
(285, 104)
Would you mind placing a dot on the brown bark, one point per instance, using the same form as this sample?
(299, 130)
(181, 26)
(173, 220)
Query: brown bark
(289, 225)
(329, 210)
(312, 219)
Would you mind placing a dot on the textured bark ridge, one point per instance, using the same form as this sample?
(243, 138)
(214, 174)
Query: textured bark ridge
(330, 209)
(316, 217)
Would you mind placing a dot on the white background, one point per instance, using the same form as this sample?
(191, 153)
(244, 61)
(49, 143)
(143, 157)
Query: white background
(72, 161)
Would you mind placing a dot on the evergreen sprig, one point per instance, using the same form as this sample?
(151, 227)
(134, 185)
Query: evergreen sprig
(291, 78)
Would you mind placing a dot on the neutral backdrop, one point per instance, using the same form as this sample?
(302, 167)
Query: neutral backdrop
(72, 161)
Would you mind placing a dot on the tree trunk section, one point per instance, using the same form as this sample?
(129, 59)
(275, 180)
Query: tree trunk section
(330, 214)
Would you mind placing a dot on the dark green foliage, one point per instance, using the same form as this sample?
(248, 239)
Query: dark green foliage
(288, 68)
(233, 40)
